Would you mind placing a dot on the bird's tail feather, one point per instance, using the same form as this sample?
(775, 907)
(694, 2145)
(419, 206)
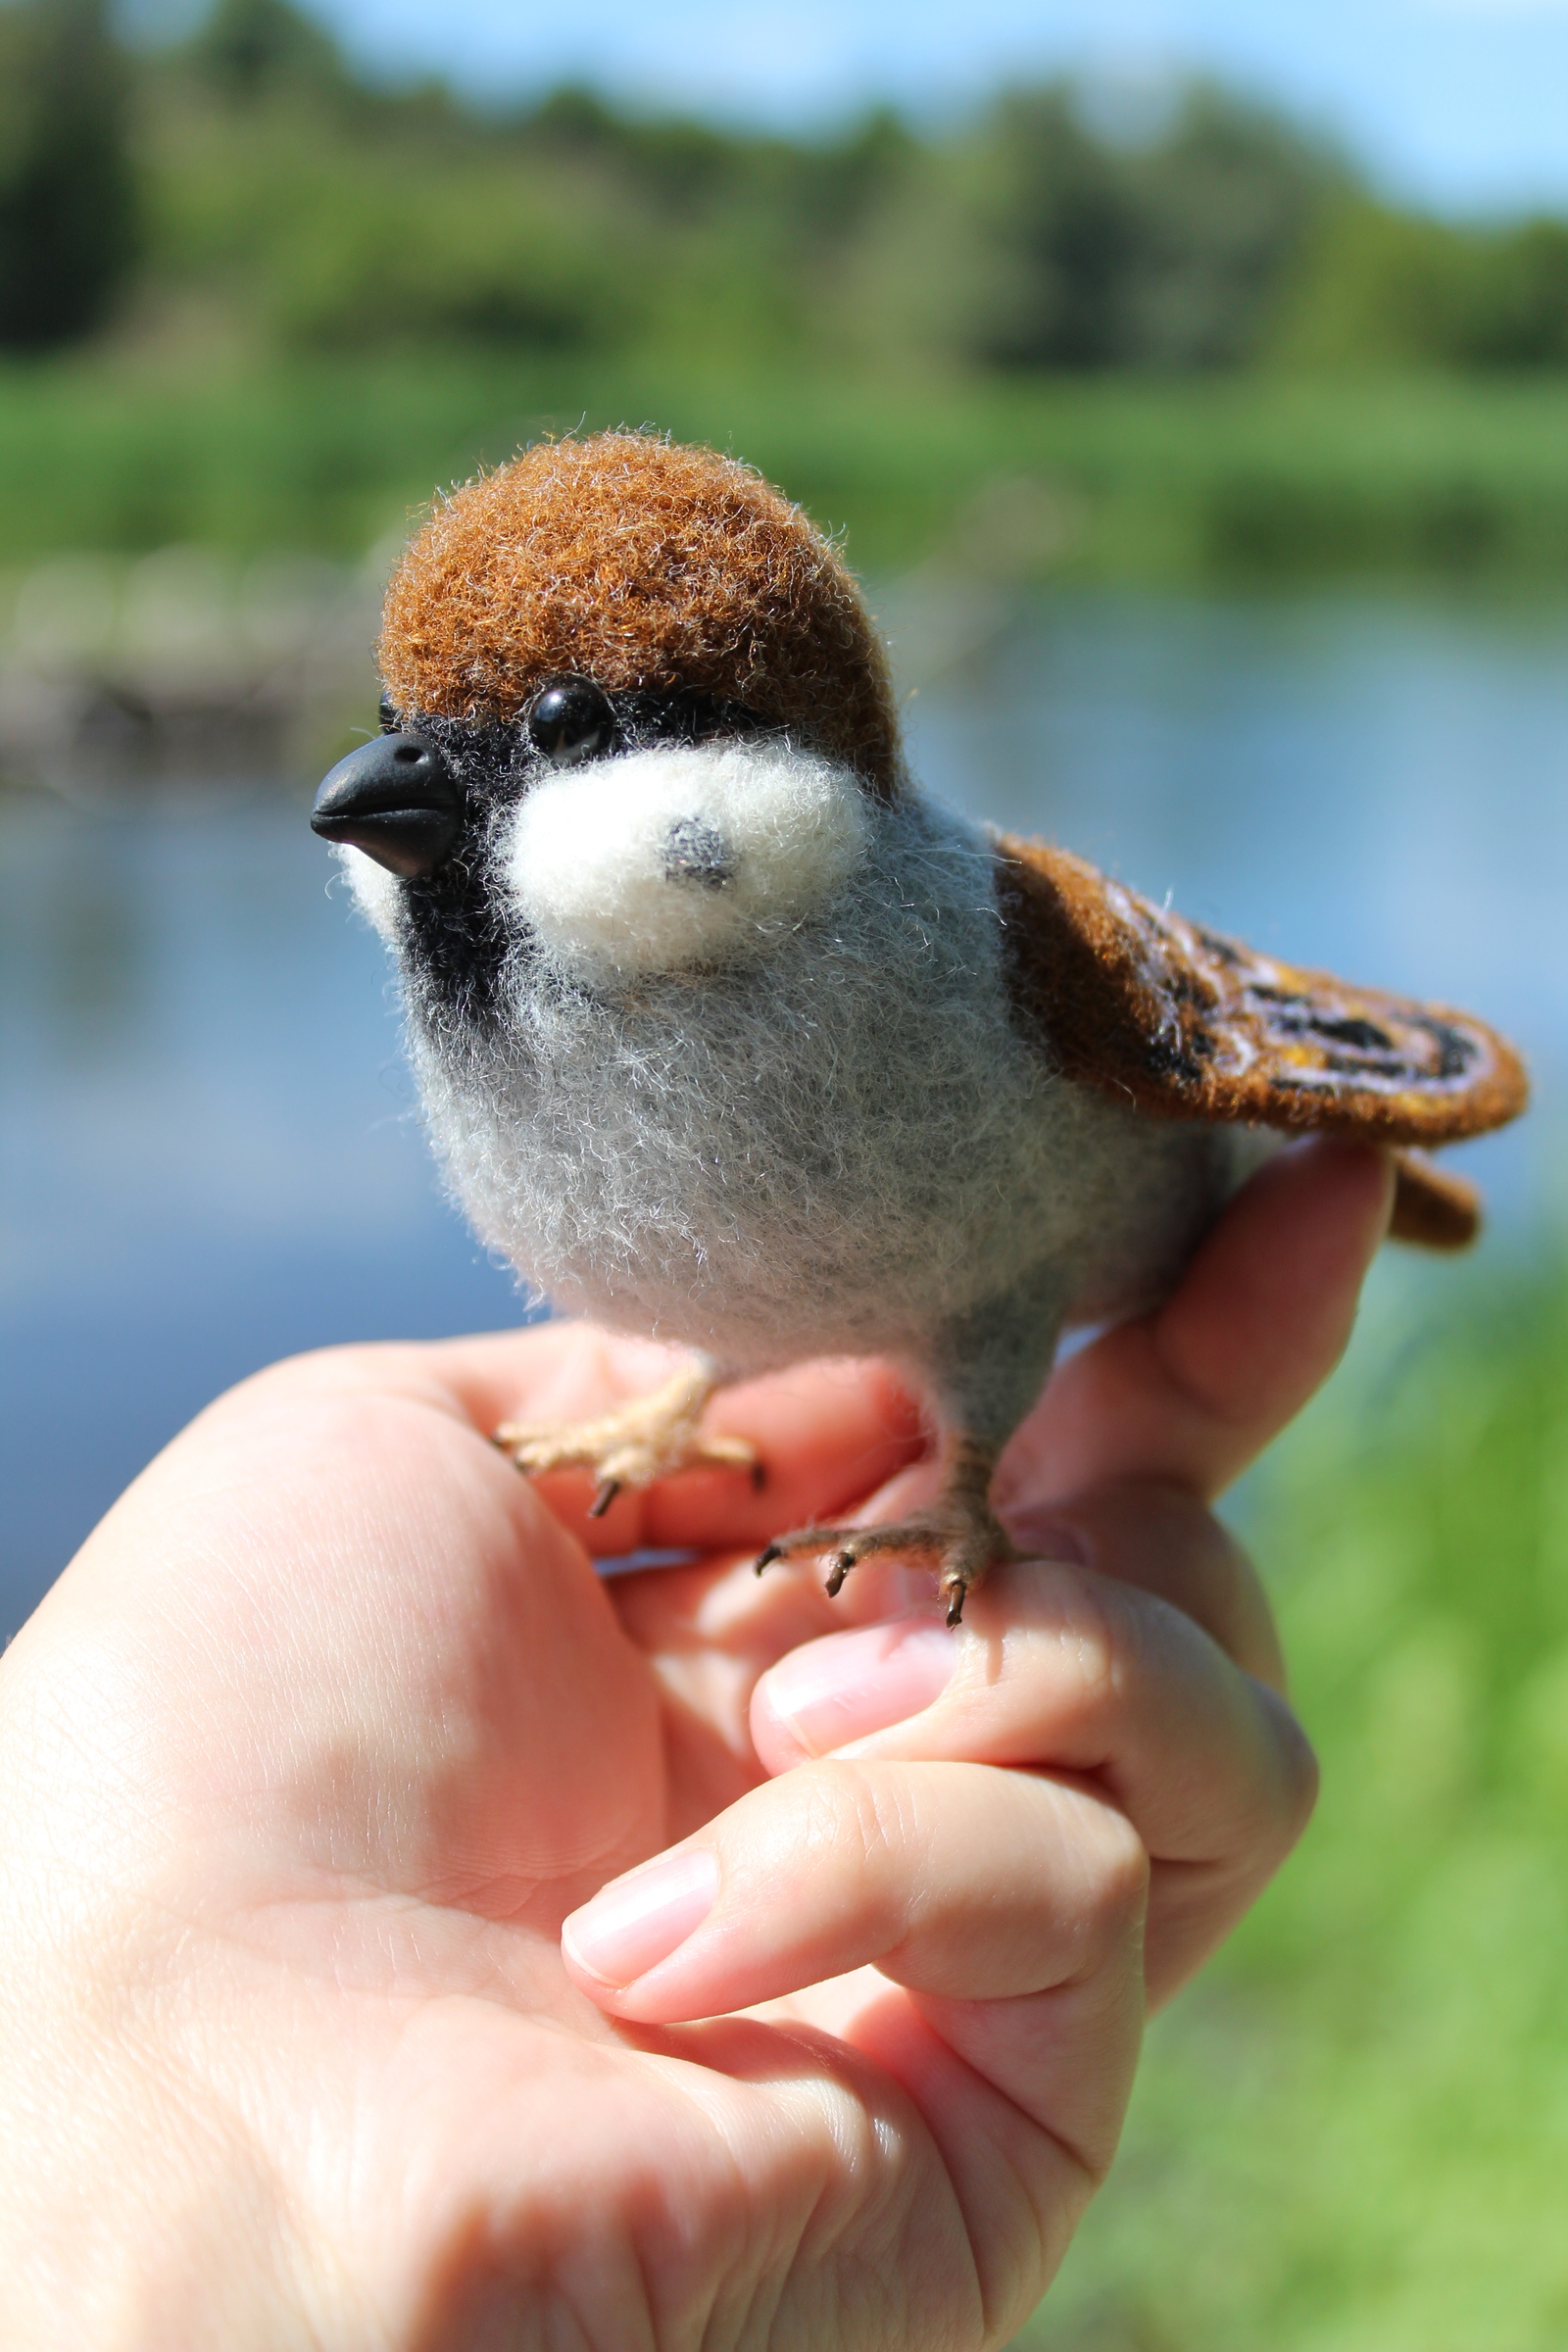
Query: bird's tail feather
(1431, 1207)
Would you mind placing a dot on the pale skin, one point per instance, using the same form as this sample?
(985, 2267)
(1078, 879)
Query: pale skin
(311, 2033)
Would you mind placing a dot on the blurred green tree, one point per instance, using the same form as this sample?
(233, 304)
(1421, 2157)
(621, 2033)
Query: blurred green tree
(1065, 235)
(283, 203)
(1384, 289)
(1522, 314)
(1169, 254)
(315, 211)
(248, 48)
(68, 233)
(1227, 200)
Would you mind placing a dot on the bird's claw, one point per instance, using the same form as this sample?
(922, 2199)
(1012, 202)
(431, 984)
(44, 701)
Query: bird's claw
(961, 1531)
(648, 1438)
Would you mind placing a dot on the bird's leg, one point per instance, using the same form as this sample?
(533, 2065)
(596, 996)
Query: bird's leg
(648, 1438)
(960, 1528)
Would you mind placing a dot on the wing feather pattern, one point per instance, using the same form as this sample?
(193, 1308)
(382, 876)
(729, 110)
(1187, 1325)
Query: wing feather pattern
(1190, 1025)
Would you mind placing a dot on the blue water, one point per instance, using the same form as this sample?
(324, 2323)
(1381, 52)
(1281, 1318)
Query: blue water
(207, 1155)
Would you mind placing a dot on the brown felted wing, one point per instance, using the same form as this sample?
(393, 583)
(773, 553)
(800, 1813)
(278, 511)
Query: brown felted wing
(1188, 1025)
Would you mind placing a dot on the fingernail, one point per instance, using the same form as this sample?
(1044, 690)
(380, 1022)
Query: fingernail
(629, 1927)
(850, 1685)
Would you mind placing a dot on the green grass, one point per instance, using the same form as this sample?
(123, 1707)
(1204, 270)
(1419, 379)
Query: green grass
(1122, 478)
(1352, 2136)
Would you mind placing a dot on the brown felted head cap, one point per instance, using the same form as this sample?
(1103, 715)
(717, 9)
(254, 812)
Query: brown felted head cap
(639, 563)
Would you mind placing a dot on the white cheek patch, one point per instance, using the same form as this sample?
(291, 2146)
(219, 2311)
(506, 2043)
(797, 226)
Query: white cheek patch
(665, 858)
(375, 892)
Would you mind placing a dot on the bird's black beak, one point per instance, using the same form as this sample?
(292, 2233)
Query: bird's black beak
(395, 799)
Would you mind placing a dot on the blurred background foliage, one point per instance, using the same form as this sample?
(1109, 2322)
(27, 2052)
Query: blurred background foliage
(248, 298)
(68, 196)
(1384, 2174)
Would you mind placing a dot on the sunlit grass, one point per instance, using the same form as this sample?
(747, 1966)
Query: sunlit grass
(1353, 2134)
(1123, 479)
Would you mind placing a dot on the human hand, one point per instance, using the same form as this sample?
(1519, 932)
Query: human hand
(329, 1727)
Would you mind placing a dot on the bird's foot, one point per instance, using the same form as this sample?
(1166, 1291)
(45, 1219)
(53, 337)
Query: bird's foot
(648, 1438)
(960, 1530)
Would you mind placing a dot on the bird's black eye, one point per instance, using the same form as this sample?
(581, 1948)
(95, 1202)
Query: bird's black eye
(571, 720)
(390, 721)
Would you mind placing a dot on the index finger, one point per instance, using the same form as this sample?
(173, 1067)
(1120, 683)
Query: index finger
(1193, 1392)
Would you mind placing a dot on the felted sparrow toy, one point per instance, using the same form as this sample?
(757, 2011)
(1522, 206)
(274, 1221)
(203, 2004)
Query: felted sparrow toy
(726, 1034)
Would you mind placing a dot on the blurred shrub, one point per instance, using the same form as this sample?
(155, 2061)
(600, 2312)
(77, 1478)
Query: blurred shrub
(1007, 478)
(68, 211)
(1283, 522)
(1383, 289)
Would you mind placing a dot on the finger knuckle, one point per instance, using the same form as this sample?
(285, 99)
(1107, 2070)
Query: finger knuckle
(1299, 1774)
(870, 1822)
(846, 1811)
(1117, 1872)
(1092, 1630)
(1094, 1641)
(1275, 1798)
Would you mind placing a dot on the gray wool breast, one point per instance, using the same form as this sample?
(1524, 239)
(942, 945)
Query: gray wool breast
(834, 1141)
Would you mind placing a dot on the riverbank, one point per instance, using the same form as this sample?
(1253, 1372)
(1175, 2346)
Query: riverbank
(1089, 478)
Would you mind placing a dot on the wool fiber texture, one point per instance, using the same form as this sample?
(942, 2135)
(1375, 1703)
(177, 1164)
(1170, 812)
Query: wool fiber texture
(1191, 1024)
(675, 858)
(640, 565)
(835, 1142)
